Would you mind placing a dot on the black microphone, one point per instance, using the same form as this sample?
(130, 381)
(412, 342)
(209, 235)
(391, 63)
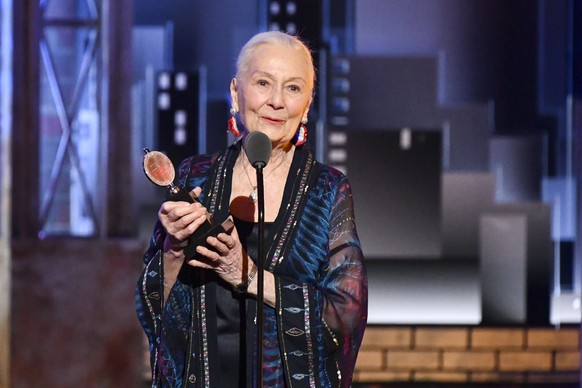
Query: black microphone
(258, 149)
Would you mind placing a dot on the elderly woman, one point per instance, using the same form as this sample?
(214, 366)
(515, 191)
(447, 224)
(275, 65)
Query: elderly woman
(200, 314)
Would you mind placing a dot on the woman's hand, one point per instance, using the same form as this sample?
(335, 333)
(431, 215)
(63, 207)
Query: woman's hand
(225, 256)
(180, 220)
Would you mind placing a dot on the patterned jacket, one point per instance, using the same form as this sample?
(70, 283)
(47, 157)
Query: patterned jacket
(313, 334)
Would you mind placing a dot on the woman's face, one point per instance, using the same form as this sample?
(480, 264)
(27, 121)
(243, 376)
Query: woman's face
(275, 93)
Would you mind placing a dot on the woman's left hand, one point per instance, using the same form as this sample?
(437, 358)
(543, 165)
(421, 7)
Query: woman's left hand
(225, 256)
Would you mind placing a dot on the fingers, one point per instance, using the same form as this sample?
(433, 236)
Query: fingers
(222, 243)
(170, 206)
(202, 261)
(194, 194)
(223, 254)
(206, 258)
(181, 219)
(176, 210)
(229, 239)
(220, 249)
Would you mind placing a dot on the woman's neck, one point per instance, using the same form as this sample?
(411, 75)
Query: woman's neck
(280, 156)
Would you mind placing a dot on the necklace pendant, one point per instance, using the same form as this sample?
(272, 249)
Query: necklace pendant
(253, 196)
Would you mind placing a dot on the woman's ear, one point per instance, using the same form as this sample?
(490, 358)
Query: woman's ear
(233, 93)
(306, 113)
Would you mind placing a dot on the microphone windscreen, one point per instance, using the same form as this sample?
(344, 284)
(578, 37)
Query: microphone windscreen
(258, 149)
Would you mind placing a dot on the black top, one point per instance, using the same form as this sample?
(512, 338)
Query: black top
(235, 315)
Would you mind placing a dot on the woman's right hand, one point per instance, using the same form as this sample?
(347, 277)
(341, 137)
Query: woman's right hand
(180, 220)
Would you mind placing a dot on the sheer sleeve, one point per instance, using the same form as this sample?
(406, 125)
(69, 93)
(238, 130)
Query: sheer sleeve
(345, 283)
(335, 301)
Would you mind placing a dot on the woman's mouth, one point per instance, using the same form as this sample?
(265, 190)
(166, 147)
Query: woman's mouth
(272, 120)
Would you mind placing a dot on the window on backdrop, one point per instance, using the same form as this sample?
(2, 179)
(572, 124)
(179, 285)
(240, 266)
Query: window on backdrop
(70, 135)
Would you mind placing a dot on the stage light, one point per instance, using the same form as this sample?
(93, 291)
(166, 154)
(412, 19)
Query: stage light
(291, 8)
(291, 28)
(274, 8)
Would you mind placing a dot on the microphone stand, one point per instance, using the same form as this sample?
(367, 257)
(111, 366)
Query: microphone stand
(260, 270)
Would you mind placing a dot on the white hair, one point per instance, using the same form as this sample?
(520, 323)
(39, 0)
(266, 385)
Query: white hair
(272, 37)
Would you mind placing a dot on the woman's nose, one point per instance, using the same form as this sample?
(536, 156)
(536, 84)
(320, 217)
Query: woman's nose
(276, 98)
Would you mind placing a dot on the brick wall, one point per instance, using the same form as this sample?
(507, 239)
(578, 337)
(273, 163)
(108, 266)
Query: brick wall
(469, 354)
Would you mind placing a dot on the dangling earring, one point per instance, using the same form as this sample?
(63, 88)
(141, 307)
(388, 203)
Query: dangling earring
(301, 135)
(232, 127)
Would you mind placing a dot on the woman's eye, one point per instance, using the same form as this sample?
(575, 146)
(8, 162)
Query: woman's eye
(263, 82)
(294, 88)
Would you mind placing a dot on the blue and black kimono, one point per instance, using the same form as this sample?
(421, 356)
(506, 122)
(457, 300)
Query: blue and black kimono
(203, 335)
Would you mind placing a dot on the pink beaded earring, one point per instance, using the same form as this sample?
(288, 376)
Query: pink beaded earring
(232, 127)
(301, 135)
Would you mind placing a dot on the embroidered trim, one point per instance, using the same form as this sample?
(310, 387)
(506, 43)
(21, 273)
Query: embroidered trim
(220, 176)
(155, 322)
(191, 377)
(335, 340)
(308, 338)
(331, 333)
(294, 310)
(295, 332)
(152, 273)
(298, 353)
(291, 220)
(213, 198)
(283, 344)
(205, 357)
